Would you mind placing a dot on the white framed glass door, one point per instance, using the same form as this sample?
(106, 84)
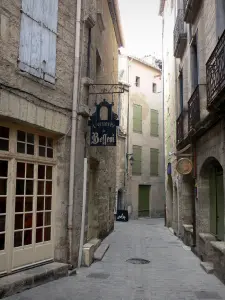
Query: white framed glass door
(27, 175)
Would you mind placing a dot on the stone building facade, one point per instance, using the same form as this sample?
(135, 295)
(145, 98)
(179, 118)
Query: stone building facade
(142, 111)
(193, 43)
(38, 59)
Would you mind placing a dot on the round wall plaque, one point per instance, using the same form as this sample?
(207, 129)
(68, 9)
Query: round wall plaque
(184, 166)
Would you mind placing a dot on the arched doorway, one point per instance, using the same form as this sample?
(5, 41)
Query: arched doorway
(175, 210)
(213, 192)
(120, 200)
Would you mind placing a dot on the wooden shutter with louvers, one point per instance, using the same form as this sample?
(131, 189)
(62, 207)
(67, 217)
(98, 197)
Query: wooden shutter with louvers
(137, 153)
(154, 162)
(137, 118)
(37, 54)
(154, 122)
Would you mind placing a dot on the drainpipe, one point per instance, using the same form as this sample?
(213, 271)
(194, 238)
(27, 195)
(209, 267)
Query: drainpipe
(163, 111)
(83, 207)
(74, 128)
(128, 138)
(195, 196)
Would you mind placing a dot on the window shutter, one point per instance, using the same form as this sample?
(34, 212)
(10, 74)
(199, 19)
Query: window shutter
(154, 122)
(137, 118)
(30, 46)
(49, 36)
(137, 153)
(38, 38)
(154, 162)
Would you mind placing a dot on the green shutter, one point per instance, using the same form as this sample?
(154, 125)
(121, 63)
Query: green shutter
(136, 168)
(137, 118)
(154, 122)
(154, 162)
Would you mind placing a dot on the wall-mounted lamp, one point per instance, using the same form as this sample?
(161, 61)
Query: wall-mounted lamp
(130, 157)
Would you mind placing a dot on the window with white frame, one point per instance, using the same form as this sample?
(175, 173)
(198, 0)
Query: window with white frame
(37, 54)
(26, 192)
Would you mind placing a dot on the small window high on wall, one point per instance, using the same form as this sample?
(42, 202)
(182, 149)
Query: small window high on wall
(137, 81)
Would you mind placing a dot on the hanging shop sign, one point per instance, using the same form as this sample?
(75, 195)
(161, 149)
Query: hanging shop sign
(103, 132)
(184, 166)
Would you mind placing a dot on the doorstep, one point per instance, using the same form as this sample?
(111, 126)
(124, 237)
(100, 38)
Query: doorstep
(27, 279)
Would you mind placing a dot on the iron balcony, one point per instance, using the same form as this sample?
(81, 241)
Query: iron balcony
(194, 109)
(215, 75)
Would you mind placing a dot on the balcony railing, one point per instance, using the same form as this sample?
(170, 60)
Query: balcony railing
(191, 8)
(194, 109)
(180, 128)
(179, 35)
(215, 74)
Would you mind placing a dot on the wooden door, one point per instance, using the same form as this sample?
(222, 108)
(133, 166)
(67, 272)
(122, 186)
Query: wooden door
(220, 206)
(212, 192)
(143, 201)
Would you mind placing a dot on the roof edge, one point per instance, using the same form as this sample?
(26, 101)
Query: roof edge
(115, 14)
(144, 62)
(161, 7)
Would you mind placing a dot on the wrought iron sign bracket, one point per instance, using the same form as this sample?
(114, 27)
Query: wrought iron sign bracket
(103, 89)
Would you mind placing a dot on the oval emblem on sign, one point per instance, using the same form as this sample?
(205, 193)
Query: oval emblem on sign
(184, 166)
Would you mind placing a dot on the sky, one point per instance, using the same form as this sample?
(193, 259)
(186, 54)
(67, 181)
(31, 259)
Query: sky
(142, 27)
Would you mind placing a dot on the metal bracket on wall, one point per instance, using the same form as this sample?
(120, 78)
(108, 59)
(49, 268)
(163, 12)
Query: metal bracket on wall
(103, 89)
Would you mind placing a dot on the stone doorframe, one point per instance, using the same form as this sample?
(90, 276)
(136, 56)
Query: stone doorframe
(203, 195)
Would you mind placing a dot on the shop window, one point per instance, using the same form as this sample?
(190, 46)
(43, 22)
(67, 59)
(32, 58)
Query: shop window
(4, 138)
(25, 143)
(45, 147)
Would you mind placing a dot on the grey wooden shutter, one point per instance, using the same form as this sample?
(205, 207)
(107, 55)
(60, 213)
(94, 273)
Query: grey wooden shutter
(154, 122)
(37, 54)
(154, 162)
(137, 154)
(137, 118)
(49, 37)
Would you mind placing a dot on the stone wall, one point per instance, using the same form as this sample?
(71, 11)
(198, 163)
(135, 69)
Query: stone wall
(104, 44)
(36, 103)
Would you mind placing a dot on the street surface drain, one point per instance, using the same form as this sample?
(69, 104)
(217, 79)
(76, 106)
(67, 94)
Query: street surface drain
(98, 275)
(203, 295)
(138, 261)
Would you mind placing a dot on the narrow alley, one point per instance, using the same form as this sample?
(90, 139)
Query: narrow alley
(173, 272)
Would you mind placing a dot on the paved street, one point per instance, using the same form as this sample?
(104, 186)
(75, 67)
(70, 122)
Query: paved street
(173, 272)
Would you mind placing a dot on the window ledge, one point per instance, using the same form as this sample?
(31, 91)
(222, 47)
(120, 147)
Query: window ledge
(220, 246)
(207, 237)
(36, 79)
(188, 228)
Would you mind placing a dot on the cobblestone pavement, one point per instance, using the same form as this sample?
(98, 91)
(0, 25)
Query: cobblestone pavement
(173, 273)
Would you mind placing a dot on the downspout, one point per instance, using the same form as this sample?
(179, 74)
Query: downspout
(129, 204)
(195, 196)
(74, 128)
(163, 110)
(177, 111)
(83, 205)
